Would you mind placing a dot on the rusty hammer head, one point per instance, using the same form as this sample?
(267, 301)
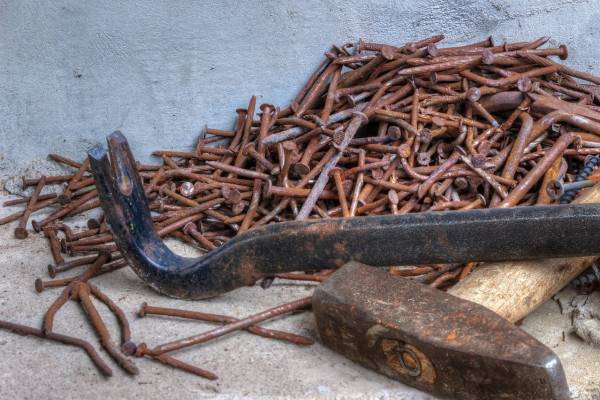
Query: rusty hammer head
(432, 340)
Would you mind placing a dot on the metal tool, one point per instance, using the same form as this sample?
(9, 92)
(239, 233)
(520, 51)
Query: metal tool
(432, 340)
(407, 331)
(419, 238)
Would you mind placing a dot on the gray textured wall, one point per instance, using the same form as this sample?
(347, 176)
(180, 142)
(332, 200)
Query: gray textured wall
(72, 71)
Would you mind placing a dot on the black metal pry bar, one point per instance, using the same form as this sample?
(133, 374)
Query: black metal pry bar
(420, 238)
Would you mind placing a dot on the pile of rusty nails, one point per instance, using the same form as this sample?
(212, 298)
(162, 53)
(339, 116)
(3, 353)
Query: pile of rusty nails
(376, 129)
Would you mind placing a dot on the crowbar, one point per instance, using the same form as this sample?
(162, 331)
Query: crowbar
(485, 361)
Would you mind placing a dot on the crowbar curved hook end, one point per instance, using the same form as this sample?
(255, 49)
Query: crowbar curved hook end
(128, 216)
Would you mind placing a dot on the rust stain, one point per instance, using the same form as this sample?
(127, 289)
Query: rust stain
(323, 229)
(452, 336)
(409, 361)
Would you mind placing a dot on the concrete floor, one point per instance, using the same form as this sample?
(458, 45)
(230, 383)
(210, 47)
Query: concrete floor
(248, 366)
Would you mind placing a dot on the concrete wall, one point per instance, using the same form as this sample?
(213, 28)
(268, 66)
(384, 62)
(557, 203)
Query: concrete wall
(72, 71)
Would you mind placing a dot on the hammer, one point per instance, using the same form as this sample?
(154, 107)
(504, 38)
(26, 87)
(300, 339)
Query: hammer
(472, 353)
(446, 345)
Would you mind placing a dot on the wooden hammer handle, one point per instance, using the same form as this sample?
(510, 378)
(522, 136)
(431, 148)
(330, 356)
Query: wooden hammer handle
(513, 289)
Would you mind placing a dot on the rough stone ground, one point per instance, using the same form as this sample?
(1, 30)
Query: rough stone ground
(248, 366)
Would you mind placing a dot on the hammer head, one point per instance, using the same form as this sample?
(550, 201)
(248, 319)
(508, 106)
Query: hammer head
(432, 340)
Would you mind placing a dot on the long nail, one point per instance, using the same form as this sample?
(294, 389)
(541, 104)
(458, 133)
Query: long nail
(538, 171)
(145, 309)
(83, 293)
(127, 346)
(56, 337)
(21, 230)
(190, 229)
(38, 225)
(175, 363)
(55, 247)
(53, 309)
(65, 196)
(234, 326)
(41, 285)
